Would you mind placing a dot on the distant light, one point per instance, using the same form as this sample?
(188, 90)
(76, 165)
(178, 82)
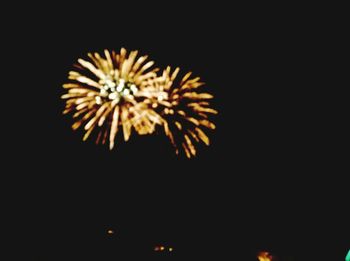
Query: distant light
(347, 258)
(162, 248)
(110, 232)
(264, 256)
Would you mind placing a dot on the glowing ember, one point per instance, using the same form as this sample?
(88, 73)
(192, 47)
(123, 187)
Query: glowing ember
(159, 248)
(163, 248)
(264, 256)
(110, 232)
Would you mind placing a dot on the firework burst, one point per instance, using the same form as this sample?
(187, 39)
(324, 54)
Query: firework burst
(124, 90)
(105, 93)
(184, 109)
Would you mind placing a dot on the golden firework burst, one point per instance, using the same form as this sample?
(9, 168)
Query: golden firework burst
(105, 93)
(122, 89)
(184, 109)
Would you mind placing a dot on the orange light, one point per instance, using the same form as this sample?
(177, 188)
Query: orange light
(264, 256)
(110, 232)
(162, 248)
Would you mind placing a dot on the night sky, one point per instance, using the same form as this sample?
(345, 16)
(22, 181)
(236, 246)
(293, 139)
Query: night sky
(263, 183)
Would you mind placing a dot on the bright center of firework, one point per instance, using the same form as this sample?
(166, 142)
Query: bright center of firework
(115, 90)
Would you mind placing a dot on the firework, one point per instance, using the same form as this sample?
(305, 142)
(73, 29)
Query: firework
(184, 109)
(122, 90)
(106, 93)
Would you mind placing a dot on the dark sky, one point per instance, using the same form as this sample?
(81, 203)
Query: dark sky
(263, 184)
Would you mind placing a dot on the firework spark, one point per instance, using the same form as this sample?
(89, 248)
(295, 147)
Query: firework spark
(106, 93)
(124, 90)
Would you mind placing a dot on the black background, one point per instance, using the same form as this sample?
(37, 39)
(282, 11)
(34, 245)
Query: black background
(265, 183)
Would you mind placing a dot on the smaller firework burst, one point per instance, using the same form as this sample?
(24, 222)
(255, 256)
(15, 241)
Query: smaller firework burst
(184, 109)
